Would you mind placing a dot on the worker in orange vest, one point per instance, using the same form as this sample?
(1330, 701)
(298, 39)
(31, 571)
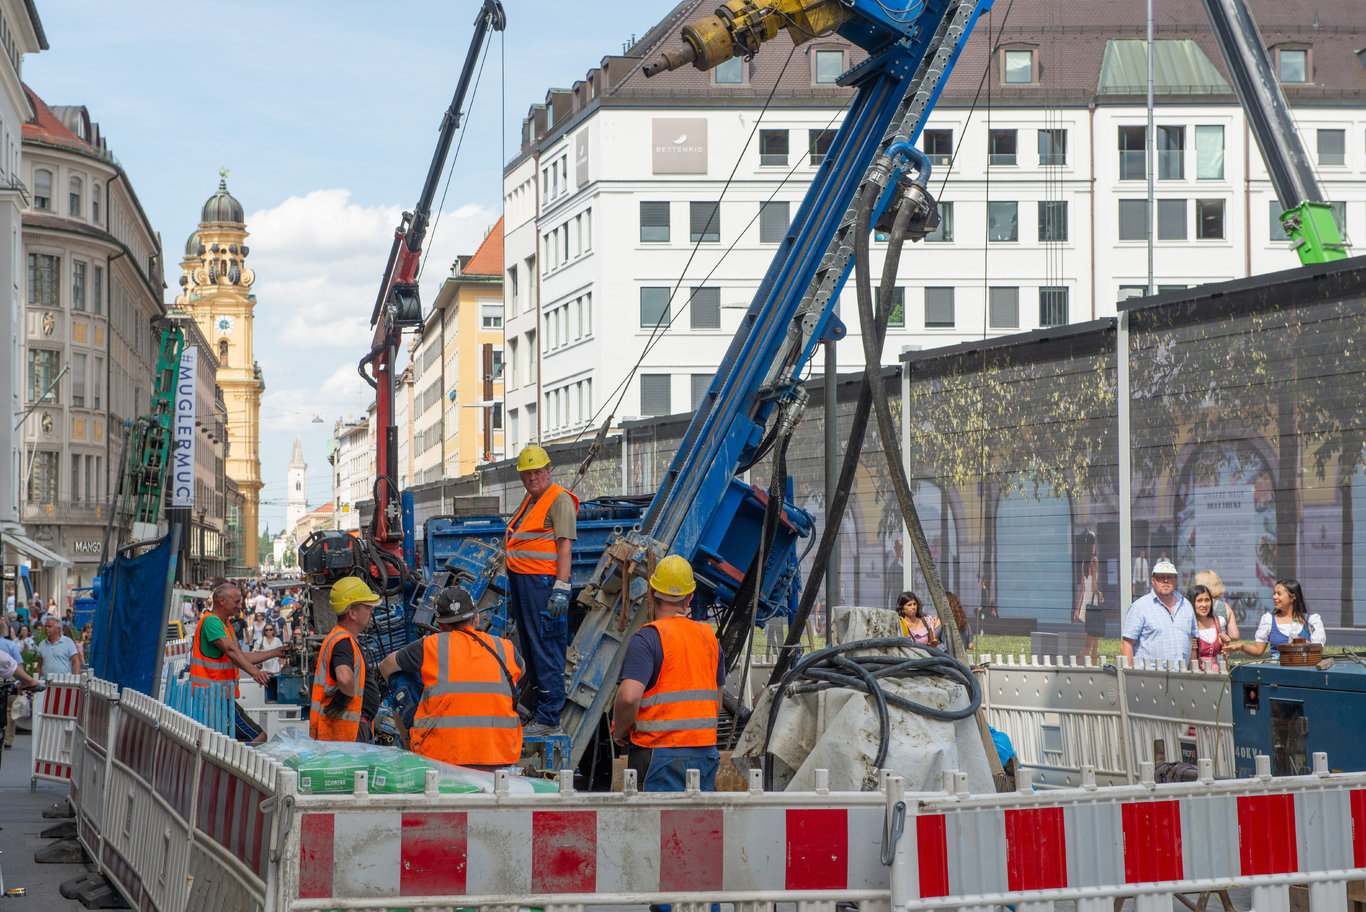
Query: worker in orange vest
(340, 690)
(215, 656)
(539, 538)
(669, 691)
(466, 714)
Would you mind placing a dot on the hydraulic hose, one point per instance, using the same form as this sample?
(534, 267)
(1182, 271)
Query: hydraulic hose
(831, 667)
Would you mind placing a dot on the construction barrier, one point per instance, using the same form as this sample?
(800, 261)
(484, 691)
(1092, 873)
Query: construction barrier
(210, 705)
(95, 731)
(191, 820)
(175, 655)
(1061, 716)
(54, 729)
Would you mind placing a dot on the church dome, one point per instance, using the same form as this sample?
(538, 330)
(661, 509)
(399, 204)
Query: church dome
(222, 207)
(193, 246)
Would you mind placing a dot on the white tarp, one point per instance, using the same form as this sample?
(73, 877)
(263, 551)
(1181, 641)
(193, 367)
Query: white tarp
(838, 730)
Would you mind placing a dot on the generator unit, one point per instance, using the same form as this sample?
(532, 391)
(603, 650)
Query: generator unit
(1290, 713)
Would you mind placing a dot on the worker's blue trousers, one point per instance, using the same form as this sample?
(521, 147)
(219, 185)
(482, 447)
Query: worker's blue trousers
(544, 642)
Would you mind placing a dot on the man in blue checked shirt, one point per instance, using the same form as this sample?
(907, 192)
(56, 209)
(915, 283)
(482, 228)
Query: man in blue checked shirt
(1159, 625)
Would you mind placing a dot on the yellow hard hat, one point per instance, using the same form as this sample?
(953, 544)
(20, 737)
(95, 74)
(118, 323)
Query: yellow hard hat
(347, 592)
(673, 577)
(532, 457)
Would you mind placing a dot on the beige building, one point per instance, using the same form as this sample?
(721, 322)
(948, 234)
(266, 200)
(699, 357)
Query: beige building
(93, 294)
(216, 291)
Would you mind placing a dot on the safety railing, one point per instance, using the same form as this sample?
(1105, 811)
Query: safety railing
(54, 729)
(1062, 715)
(210, 705)
(174, 655)
(190, 820)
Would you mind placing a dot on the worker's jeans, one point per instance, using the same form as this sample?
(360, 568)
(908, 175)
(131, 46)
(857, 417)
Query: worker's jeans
(544, 641)
(665, 769)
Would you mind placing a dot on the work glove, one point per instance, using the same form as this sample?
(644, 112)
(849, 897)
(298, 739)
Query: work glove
(558, 604)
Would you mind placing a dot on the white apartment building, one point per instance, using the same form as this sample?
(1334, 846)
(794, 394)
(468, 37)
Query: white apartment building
(613, 229)
(353, 470)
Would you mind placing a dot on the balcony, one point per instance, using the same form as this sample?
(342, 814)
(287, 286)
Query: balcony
(65, 511)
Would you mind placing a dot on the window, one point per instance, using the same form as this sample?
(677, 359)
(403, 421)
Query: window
(1293, 65)
(491, 315)
(1209, 152)
(42, 371)
(704, 305)
(939, 308)
(654, 222)
(42, 480)
(74, 206)
(512, 364)
(896, 317)
(1133, 220)
(497, 416)
(1017, 67)
(44, 280)
(1133, 154)
(1332, 147)
(773, 221)
(1171, 220)
(1003, 221)
(78, 379)
(95, 204)
(1131, 291)
(772, 147)
(1003, 308)
(828, 67)
(78, 286)
(654, 394)
(1278, 229)
(1209, 219)
(495, 363)
(42, 189)
(512, 288)
(818, 144)
(699, 384)
(96, 383)
(654, 307)
(1052, 221)
(704, 221)
(729, 72)
(1052, 147)
(1001, 147)
(1171, 153)
(1052, 306)
(938, 146)
(223, 352)
(97, 292)
(944, 233)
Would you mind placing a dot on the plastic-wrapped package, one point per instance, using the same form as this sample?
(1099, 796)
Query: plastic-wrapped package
(329, 767)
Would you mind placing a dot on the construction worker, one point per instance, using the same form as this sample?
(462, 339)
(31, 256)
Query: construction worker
(539, 538)
(466, 714)
(669, 691)
(342, 707)
(215, 656)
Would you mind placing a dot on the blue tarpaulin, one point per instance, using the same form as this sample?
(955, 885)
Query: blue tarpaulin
(129, 617)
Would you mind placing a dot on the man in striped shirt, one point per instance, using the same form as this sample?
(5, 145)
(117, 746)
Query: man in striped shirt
(1161, 624)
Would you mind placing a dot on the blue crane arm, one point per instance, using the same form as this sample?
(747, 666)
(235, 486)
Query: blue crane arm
(702, 510)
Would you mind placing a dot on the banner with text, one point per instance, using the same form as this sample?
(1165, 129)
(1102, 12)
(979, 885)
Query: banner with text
(182, 479)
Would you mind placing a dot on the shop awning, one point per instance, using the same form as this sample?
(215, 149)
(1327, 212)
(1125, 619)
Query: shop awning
(27, 546)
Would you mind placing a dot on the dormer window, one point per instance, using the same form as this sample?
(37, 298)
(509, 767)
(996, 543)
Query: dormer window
(729, 72)
(827, 66)
(1017, 66)
(1292, 65)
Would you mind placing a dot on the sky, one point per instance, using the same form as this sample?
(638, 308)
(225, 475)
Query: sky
(326, 116)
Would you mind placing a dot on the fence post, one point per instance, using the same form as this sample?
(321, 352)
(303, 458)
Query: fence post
(898, 840)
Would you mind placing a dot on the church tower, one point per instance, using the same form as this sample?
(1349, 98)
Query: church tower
(296, 504)
(216, 291)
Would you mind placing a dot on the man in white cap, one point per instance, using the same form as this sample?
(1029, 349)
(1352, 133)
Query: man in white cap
(1161, 624)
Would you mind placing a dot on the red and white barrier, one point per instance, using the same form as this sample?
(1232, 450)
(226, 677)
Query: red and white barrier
(89, 781)
(54, 728)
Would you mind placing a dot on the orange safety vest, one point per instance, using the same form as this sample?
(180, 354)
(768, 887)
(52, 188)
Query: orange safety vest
(346, 726)
(466, 714)
(530, 542)
(681, 710)
(204, 670)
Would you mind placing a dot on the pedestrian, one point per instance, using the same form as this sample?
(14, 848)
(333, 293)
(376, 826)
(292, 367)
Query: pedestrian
(914, 622)
(1161, 624)
(270, 641)
(258, 628)
(467, 714)
(539, 540)
(58, 653)
(1090, 597)
(1210, 580)
(1290, 620)
(338, 711)
(9, 647)
(669, 690)
(1211, 637)
(87, 637)
(960, 620)
(215, 656)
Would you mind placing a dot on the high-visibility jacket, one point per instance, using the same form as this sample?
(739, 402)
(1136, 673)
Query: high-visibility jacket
(346, 725)
(205, 671)
(681, 710)
(530, 540)
(466, 714)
